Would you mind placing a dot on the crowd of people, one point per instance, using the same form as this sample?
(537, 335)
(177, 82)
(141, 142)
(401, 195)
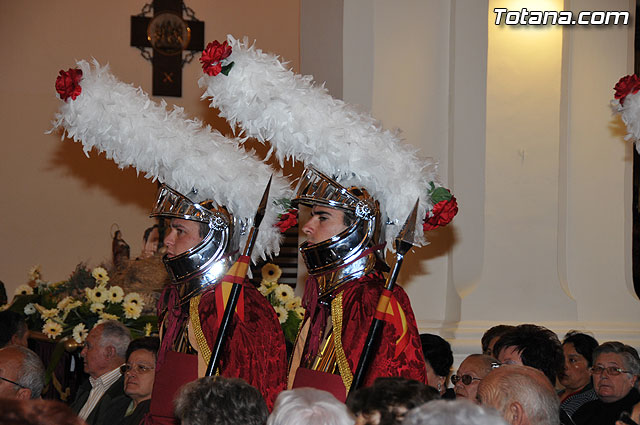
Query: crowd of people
(534, 379)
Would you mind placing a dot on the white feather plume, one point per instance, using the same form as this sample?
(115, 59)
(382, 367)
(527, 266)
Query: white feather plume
(133, 130)
(301, 120)
(630, 113)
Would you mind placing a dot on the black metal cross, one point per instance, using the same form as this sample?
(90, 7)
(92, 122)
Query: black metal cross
(168, 34)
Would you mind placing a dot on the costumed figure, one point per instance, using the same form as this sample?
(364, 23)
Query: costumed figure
(211, 190)
(362, 180)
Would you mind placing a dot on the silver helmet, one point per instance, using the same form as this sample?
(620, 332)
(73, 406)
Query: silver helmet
(351, 253)
(206, 263)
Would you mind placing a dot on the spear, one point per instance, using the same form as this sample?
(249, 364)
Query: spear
(403, 243)
(223, 330)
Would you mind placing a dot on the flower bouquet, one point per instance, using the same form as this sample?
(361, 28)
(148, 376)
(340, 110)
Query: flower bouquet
(287, 305)
(74, 306)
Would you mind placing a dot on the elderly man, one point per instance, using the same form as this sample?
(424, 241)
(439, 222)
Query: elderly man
(471, 372)
(522, 394)
(102, 397)
(21, 373)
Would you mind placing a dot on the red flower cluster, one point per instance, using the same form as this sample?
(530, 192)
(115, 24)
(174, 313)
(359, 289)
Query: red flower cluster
(441, 215)
(212, 57)
(68, 84)
(626, 86)
(288, 220)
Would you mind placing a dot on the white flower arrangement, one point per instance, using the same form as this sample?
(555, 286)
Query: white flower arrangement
(72, 307)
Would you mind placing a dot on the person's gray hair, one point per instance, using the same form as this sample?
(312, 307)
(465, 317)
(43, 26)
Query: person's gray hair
(539, 401)
(220, 401)
(117, 334)
(31, 373)
(309, 406)
(628, 353)
(454, 412)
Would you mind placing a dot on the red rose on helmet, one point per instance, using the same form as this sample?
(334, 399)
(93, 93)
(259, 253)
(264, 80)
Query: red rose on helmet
(68, 84)
(441, 215)
(212, 57)
(288, 220)
(627, 85)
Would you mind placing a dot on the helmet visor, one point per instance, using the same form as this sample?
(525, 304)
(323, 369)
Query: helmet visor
(170, 203)
(316, 188)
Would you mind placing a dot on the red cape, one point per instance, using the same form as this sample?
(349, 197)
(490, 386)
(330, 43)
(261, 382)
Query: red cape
(352, 311)
(254, 351)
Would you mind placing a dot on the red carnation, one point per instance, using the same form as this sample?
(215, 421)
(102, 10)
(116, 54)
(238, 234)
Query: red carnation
(627, 85)
(288, 220)
(441, 215)
(212, 57)
(68, 84)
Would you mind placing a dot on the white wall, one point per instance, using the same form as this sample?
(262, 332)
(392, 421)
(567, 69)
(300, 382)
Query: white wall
(520, 122)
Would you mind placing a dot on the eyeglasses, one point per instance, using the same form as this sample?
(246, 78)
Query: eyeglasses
(611, 370)
(137, 368)
(466, 379)
(12, 382)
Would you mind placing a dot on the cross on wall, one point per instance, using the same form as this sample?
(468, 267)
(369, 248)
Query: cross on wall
(168, 34)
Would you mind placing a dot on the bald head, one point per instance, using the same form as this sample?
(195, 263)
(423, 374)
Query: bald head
(522, 394)
(22, 372)
(474, 368)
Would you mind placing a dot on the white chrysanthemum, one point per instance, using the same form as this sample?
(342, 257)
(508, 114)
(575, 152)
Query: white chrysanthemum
(271, 272)
(282, 313)
(293, 303)
(108, 316)
(116, 294)
(100, 275)
(96, 307)
(49, 313)
(300, 311)
(24, 290)
(284, 293)
(80, 333)
(29, 309)
(34, 273)
(131, 310)
(52, 329)
(135, 298)
(147, 329)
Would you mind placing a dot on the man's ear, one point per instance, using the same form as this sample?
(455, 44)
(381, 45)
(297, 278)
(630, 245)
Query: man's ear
(515, 414)
(23, 394)
(110, 352)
